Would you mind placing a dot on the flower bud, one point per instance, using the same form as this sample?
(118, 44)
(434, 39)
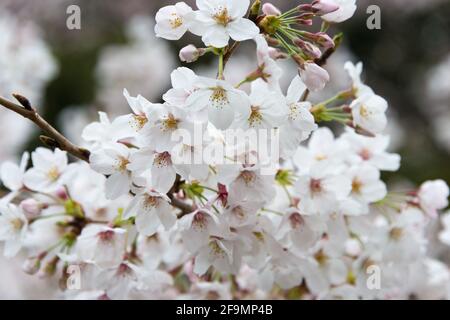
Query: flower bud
(276, 54)
(270, 10)
(433, 196)
(190, 53)
(322, 7)
(308, 49)
(305, 8)
(324, 40)
(61, 193)
(32, 265)
(32, 208)
(320, 38)
(314, 77)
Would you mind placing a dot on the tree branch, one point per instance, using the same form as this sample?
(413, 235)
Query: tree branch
(58, 140)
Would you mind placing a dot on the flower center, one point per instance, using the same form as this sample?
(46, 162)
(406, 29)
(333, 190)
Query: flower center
(255, 117)
(219, 97)
(53, 174)
(176, 21)
(293, 111)
(221, 16)
(320, 157)
(162, 160)
(139, 121)
(216, 250)
(321, 258)
(199, 221)
(315, 186)
(364, 112)
(396, 233)
(106, 236)
(248, 177)
(365, 154)
(17, 224)
(122, 163)
(296, 220)
(150, 202)
(238, 212)
(170, 123)
(356, 186)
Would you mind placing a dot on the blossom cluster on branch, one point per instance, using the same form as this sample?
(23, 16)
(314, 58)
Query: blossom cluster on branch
(222, 193)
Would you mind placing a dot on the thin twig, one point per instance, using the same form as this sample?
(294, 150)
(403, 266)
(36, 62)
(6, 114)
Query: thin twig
(30, 113)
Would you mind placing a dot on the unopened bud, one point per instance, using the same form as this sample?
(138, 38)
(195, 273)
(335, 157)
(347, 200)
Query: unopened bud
(270, 10)
(49, 268)
(324, 40)
(322, 7)
(61, 193)
(308, 49)
(190, 53)
(305, 8)
(307, 22)
(320, 38)
(32, 265)
(314, 77)
(277, 54)
(32, 208)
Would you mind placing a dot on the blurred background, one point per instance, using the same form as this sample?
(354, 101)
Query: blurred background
(70, 75)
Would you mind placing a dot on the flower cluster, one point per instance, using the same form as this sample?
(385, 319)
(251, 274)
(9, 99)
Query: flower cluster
(170, 206)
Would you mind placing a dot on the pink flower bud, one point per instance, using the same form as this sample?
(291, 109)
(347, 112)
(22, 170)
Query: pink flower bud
(433, 196)
(32, 265)
(190, 53)
(276, 54)
(305, 8)
(314, 77)
(324, 40)
(31, 208)
(319, 38)
(309, 49)
(322, 7)
(270, 10)
(61, 193)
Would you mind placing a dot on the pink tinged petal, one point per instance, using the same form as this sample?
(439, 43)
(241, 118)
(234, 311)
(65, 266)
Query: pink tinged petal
(242, 29)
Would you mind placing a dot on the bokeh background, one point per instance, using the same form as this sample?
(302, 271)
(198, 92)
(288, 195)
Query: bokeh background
(71, 74)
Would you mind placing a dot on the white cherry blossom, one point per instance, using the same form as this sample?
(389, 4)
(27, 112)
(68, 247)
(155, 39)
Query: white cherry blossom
(219, 20)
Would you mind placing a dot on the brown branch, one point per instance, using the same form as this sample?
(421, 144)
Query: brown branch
(252, 15)
(57, 139)
(183, 206)
(229, 53)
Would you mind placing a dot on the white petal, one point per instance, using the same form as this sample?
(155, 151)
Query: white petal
(117, 185)
(242, 29)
